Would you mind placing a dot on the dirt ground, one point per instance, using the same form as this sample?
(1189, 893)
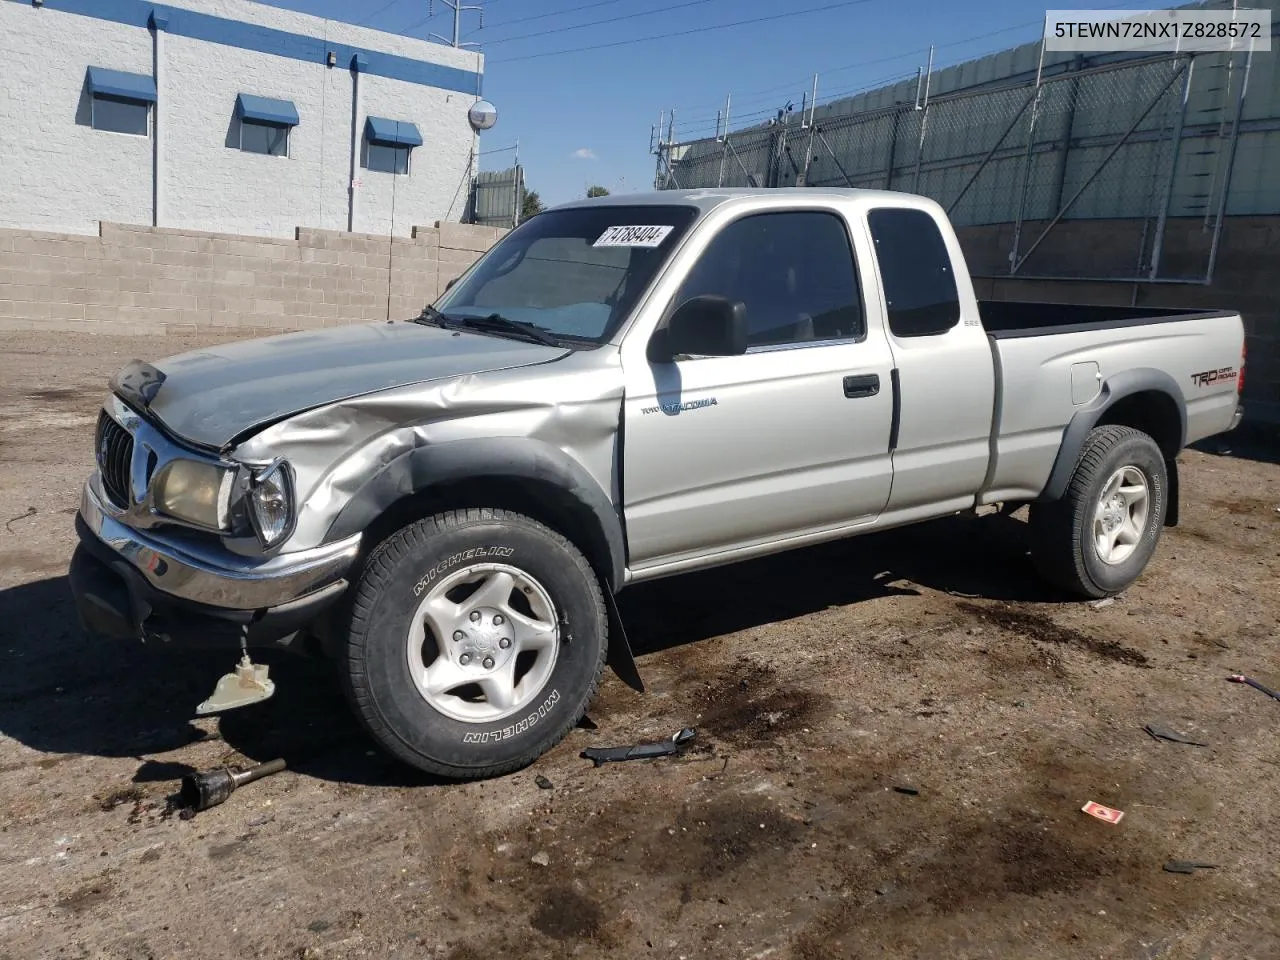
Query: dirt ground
(820, 682)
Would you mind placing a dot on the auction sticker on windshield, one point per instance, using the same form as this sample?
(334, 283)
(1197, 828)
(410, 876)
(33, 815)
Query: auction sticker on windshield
(638, 236)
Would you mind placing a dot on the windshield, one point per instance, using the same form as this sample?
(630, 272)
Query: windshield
(574, 273)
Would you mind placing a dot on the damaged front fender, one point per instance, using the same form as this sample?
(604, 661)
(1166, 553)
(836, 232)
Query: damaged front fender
(513, 458)
(554, 425)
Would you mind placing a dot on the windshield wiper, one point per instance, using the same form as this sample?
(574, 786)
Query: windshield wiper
(430, 315)
(497, 323)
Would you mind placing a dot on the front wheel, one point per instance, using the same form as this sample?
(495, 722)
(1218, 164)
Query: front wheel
(477, 639)
(1099, 537)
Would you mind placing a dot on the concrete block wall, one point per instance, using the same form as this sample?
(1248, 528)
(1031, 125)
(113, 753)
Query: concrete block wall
(139, 280)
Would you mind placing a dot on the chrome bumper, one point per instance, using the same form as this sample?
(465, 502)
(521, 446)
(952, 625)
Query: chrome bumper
(218, 578)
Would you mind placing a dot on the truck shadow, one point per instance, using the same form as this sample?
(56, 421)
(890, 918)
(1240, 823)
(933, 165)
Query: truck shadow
(1249, 441)
(984, 558)
(65, 693)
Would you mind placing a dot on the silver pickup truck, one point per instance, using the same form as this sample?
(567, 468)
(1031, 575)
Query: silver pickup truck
(621, 389)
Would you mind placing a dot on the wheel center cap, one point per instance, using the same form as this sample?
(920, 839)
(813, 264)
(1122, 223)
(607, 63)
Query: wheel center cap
(487, 640)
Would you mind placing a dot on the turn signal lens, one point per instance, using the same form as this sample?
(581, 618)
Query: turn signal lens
(271, 500)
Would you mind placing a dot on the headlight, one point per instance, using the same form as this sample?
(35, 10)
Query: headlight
(196, 492)
(271, 502)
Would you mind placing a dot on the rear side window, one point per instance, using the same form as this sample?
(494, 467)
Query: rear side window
(915, 269)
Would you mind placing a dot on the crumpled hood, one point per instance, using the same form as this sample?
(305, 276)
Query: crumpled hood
(214, 395)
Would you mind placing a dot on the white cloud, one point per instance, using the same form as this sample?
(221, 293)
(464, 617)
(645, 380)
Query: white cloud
(583, 153)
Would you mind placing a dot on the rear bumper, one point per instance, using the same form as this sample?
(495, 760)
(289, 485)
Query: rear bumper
(1236, 417)
(128, 585)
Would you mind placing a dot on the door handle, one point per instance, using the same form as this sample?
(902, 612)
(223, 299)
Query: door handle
(867, 385)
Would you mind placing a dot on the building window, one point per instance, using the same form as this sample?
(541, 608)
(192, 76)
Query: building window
(385, 159)
(265, 124)
(121, 116)
(389, 144)
(121, 102)
(264, 138)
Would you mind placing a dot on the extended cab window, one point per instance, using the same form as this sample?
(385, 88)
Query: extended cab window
(915, 269)
(794, 271)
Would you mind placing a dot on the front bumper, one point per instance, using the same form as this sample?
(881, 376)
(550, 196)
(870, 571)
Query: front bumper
(129, 584)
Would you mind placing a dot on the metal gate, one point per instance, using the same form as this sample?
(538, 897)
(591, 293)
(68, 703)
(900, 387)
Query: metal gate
(497, 197)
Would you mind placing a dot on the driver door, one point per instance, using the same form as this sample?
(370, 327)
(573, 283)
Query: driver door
(722, 454)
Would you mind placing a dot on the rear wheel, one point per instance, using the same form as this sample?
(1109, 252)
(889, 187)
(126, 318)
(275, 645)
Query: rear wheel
(1099, 537)
(477, 639)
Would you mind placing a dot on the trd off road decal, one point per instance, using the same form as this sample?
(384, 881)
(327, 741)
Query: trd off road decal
(444, 566)
(506, 733)
(1207, 377)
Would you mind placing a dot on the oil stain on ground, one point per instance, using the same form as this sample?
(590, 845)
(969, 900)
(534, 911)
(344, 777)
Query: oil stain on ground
(88, 896)
(733, 833)
(565, 914)
(1038, 627)
(746, 704)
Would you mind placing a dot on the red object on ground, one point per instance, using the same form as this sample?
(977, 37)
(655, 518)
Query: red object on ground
(1102, 813)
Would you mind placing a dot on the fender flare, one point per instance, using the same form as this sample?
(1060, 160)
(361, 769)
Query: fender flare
(1114, 389)
(514, 458)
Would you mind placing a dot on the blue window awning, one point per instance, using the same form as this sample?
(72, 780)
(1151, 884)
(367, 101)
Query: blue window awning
(281, 113)
(127, 86)
(392, 133)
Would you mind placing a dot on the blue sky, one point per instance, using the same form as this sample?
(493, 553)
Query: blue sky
(584, 117)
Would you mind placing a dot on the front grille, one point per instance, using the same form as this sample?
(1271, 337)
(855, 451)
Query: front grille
(114, 446)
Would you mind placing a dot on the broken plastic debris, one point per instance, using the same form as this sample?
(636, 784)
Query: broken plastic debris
(1105, 814)
(640, 751)
(1241, 678)
(909, 791)
(247, 684)
(1162, 734)
(1187, 866)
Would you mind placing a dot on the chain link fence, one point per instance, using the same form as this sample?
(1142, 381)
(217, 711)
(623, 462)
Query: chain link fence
(1022, 165)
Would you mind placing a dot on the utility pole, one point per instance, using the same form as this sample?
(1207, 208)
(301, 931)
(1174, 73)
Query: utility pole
(458, 9)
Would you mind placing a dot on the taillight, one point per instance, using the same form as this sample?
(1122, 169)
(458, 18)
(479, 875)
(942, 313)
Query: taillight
(1244, 352)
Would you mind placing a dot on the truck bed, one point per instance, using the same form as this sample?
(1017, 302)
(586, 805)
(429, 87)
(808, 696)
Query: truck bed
(1052, 359)
(1017, 318)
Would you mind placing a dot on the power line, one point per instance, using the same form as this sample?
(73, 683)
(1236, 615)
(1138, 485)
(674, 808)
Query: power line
(377, 13)
(685, 33)
(598, 23)
(891, 58)
(919, 52)
(430, 16)
(556, 13)
(706, 123)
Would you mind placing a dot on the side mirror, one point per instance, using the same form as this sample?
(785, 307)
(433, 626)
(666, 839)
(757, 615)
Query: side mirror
(705, 326)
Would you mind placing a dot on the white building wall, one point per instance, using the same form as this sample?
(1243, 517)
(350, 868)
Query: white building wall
(58, 174)
(210, 184)
(437, 185)
(335, 149)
